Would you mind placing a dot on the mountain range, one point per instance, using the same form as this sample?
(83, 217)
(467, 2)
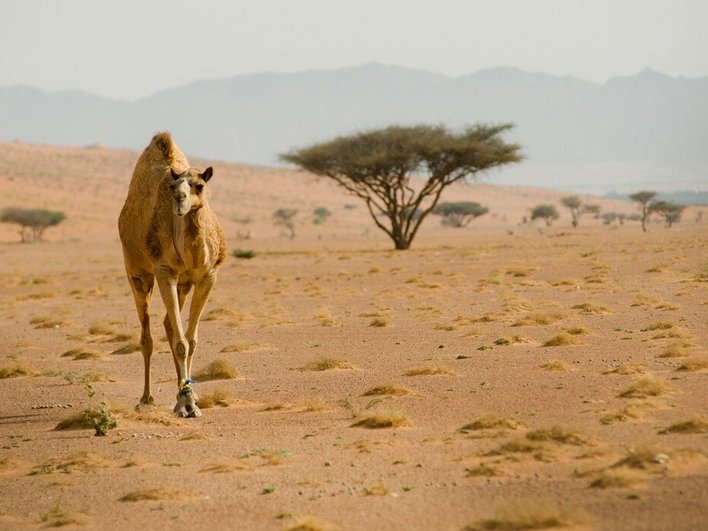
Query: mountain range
(648, 129)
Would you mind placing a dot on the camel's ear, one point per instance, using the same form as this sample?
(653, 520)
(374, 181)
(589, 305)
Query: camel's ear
(175, 175)
(207, 174)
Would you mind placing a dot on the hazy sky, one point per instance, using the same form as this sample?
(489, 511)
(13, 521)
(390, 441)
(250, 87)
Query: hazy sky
(133, 48)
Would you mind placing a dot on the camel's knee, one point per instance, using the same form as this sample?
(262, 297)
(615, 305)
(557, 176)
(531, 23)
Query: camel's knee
(181, 349)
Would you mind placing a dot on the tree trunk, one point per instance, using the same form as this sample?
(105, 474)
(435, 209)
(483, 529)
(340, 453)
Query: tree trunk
(402, 244)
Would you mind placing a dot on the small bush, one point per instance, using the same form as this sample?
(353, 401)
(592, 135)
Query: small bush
(245, 254)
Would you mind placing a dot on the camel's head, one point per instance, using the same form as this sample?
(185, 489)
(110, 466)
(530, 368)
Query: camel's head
(188, 189)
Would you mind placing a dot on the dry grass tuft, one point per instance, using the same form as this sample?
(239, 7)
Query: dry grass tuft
(560, 435)
(311, 524)
(484, 470)
(642, 457)
(218, 397)
(76, 421)
(313, 405)
(85, 462)
(382, 420)
(658, 326)
(387, 390)
(127, 349)
(517, 446)
(428, 371)
(561, 340)
(219, 369)
(556, 365)
(379, 322)
(327, 364)
(241, 347)
(576, 331)
(223, 468)
(618, 477)
(627, 369)
(377, 489)
(15, 370)
(100, 329)
(590, 308)
(157, 494)
(59, 517)
(646, 386)
(82, 354)
(526, 514)
(630, 411)
(692, 425)
(693, 364)
(325, 317)
(538, 318)
(47, 322)
(491, 422)
(677, 349)
(194, 436)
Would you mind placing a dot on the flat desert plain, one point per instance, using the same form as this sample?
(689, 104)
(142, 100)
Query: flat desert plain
(499, 376)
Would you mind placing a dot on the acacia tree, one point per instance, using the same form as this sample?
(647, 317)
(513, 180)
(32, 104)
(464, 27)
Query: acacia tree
(378, 167)
(578, 208)
(643, 199)
(548, 213)
(285, 217)
(36, 220)
(459, 213)
(671, 212)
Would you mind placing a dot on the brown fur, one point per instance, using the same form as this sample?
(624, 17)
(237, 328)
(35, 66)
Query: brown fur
(178, 252)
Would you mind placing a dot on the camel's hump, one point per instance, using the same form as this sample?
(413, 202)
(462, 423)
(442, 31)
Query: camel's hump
(163, 142)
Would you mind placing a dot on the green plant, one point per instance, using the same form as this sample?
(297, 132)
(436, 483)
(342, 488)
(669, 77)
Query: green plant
(101, 419)
(245, 254)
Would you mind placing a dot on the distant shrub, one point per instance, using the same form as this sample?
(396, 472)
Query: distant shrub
(321, 214)
(244, 253)
(548, 213)
(284, 217)
(459, 213)
(32, 222)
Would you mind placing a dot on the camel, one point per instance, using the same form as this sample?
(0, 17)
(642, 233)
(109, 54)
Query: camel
(169, 234)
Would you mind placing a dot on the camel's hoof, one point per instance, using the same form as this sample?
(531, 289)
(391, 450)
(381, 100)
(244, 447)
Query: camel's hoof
(187, 411)
(187, 404)
(149, 401)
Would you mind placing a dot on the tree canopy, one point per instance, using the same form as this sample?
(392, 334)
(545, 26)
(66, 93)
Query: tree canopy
(548, 213)
(643, 199)
(378, 165)
(459, 213)
(671, 212)
(36, 220)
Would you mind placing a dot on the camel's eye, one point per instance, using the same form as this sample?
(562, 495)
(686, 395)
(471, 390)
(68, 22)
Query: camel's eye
(172, 187)
(199, 188)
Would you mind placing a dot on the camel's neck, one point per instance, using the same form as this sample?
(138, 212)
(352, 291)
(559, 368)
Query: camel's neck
(186, 231)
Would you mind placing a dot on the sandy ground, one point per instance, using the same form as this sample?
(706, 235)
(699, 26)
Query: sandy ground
(525, 376)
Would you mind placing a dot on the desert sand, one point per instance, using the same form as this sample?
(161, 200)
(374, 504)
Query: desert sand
(503, 374)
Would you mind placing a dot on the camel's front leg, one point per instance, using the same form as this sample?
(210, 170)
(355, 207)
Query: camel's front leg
(202, 290)
(186, 404)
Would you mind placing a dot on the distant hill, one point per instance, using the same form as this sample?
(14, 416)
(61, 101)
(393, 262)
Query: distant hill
(575, 133)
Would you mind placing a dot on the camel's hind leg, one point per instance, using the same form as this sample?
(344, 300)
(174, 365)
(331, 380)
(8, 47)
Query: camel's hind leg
(142, 293)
